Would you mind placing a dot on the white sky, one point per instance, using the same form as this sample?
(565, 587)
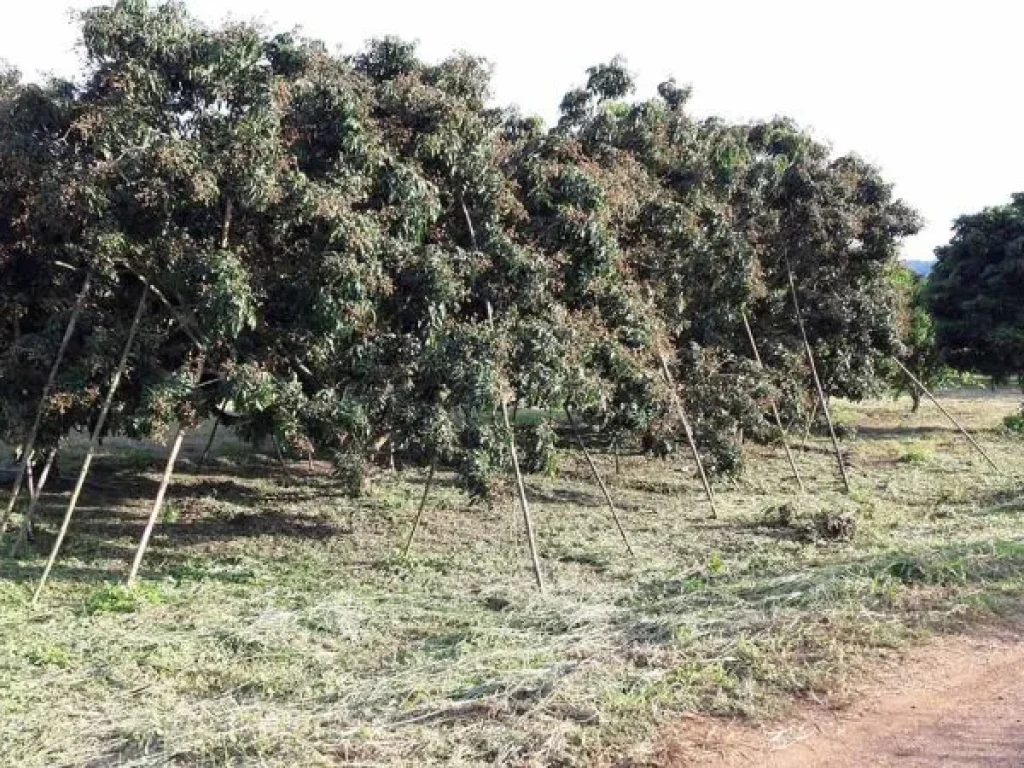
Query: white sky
(930, 91)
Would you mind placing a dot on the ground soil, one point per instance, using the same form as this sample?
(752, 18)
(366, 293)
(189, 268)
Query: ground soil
(955, 701)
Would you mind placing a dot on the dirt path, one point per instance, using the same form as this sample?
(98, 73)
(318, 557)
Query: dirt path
(954, 702)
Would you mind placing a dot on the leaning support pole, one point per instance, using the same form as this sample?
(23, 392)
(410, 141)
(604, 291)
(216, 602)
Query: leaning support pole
(419, 512)
(523, 502)
(600, 482)
(94, 442)
(817, 380)
(810, 424)
(681, 412)
(33, 433)
(26, 525)
(158, 505)
(775, 407)
(948, 415)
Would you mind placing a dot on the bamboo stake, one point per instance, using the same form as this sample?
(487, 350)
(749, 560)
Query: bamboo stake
(681, 412)
(600, 481)
(531, 541)
(26, 528)
(775, 407)
(94, 442)
(158, 505)
(520, 485)
(419, 512)
(523, 502)
(948, 415)
(810, 424)
(817, 381)
(33, 433)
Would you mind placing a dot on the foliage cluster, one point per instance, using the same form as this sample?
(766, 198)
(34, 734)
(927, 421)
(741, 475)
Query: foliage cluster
(976, 292)
(346, 251)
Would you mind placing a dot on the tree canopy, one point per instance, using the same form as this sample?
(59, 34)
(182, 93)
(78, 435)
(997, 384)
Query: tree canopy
(347, 250)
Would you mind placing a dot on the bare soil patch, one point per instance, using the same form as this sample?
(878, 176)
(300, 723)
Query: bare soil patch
(952, 702)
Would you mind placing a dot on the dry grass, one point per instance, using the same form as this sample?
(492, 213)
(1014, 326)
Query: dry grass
(276, 625)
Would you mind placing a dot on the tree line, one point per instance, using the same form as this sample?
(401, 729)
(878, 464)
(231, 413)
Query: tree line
(350, 253)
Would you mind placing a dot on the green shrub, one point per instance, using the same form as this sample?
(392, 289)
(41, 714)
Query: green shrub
(1014, 423)
(116, 598)
(917, 455)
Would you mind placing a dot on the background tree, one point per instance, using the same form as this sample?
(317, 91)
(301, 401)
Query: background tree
(916, 327)
(976, 292)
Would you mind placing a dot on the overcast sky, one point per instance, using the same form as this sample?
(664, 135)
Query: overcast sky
(928, 90)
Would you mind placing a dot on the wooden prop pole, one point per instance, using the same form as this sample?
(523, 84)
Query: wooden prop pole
(158, 505)
(600, 482)
(30, 440)
(817, 380)
(775, 407)
(419, 512)
(949, 416)
(681, 413)
(523, 502)
(94, 441)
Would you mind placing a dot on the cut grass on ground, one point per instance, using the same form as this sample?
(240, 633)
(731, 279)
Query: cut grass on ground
(276, 624)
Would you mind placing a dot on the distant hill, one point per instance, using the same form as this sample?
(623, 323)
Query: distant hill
(923, 268)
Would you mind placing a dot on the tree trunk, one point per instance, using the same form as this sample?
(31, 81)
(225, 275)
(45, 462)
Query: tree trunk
(158, 505)
(33, 433)
(94, 442)
(520, 486)
(915, 398)
(225, 231)
(280, 456)
(209, 443)
(26, 526)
